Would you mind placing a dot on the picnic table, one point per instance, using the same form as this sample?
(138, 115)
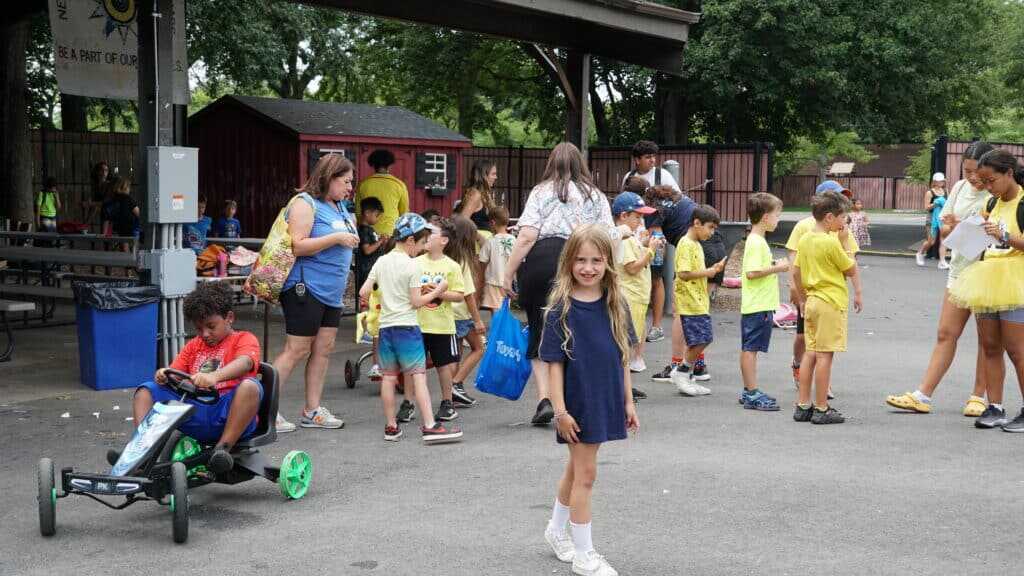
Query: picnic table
(253, 244)
(69, 239)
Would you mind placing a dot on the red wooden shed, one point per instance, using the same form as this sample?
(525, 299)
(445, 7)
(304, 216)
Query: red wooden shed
(256, 151)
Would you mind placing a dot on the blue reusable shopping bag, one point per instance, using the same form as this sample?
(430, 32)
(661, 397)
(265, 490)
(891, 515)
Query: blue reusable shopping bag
(504, 369)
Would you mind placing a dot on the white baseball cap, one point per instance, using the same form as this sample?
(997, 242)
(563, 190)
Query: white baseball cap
(938, 177)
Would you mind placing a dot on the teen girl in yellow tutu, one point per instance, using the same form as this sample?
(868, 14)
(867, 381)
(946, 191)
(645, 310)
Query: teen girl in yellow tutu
(993, 288)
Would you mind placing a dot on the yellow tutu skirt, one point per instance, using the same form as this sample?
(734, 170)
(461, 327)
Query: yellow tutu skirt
(991, 285)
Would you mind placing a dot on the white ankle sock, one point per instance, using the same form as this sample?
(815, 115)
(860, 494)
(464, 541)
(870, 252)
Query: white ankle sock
(581, 538)
(559, 516)
(921, 397)
(999, 406)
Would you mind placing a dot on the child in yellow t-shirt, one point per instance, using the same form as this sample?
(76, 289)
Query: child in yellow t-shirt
(760, 296)
(437, 318)
(634, 270)
(691, 299)
(803, 227)
(822, 266)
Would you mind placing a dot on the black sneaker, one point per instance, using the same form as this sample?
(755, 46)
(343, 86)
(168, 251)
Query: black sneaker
(221, 461)
(459, 395)
(992, 417)
(1017, 425)
(701, 374)
(445, 412)
(545, 413)
(113, 456)
(827, 416)
(639, 394)
(406, 412)
(665, 375)
(803, 414)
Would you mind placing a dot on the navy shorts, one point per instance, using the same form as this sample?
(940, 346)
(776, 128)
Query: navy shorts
(757, 331)
(207, 422)
(697, 330)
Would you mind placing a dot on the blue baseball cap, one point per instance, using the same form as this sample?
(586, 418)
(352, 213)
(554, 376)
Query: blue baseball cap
(409, 224)
(832, 186)
(630, 202)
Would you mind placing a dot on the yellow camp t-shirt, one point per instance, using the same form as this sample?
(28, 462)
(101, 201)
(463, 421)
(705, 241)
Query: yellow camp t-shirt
(822, 261)
(691, 296)
(806, 225)
(437, 317)
(637, 287)
(461, 309)
(760, 294)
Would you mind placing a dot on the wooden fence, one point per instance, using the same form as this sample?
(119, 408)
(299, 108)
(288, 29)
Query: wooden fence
(70, 156)
(736, 170)
(876, 192)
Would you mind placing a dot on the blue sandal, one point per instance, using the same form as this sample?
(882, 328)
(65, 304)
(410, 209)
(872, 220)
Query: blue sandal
(760, 401)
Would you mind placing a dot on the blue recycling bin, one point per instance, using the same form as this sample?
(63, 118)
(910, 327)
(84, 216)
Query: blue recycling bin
(117, 333)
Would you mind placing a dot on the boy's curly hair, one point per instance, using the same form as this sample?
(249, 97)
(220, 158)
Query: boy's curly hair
(209, 299)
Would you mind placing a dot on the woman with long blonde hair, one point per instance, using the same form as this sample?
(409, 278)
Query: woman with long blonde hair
(565, 199)
(587, 341)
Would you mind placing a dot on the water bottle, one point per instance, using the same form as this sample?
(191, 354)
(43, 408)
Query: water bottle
(659, 254)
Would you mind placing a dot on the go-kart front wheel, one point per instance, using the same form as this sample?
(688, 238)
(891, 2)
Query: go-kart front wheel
(296, 473)
(179, 502)
(47, 498)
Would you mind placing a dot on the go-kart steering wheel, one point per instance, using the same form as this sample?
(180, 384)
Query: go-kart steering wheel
(181, 383)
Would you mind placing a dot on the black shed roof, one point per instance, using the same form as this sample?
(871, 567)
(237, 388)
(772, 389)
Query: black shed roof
(339, 119)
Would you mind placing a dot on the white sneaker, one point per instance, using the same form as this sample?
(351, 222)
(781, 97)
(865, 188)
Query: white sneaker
(657, 334)
(283, 425)
(561, 544)
(687, 387)
(321, 418)
(374, 372)
(920, 259)
(943, 265)
(592, 564)
(637, 365)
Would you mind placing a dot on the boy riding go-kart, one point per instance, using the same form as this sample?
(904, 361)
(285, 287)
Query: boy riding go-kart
(198, 422)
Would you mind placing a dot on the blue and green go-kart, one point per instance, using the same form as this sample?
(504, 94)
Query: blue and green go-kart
(160, 464)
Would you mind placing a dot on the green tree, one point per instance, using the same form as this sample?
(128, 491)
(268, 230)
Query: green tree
(821, 152)
(274, 45)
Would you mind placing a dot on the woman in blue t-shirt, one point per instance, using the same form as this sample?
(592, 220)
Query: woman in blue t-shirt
(323, 235)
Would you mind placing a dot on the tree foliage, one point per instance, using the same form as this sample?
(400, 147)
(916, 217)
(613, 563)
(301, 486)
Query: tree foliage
(821, 151)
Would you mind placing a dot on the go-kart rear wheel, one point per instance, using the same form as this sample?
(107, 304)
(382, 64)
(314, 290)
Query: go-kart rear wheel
(351, 373)
(47, 498)
(296, 473)
(179, 502)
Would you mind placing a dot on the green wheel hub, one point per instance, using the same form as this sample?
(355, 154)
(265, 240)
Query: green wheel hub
(296, 474)
(186, 448)
(53, 495)
(172, 502)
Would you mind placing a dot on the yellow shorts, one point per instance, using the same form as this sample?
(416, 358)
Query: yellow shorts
(824, 326)
(638, 314)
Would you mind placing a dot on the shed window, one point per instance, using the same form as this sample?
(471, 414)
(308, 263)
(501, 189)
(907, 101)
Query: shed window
(436, 167)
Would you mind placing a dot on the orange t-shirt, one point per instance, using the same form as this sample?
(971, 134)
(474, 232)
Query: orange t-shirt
(197, 357)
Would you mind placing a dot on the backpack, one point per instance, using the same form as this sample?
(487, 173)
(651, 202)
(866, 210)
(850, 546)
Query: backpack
(991, 204)
(276, 258)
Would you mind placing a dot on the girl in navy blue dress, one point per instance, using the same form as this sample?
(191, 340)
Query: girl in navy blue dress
(587, 340)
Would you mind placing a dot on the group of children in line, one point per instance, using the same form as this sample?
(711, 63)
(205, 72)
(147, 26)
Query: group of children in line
(419, 288)
(820, 263)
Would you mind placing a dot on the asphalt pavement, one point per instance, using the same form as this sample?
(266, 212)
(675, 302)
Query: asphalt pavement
(704, 488)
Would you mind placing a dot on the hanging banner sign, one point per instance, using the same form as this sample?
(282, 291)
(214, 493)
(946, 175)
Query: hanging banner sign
(96, 44)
